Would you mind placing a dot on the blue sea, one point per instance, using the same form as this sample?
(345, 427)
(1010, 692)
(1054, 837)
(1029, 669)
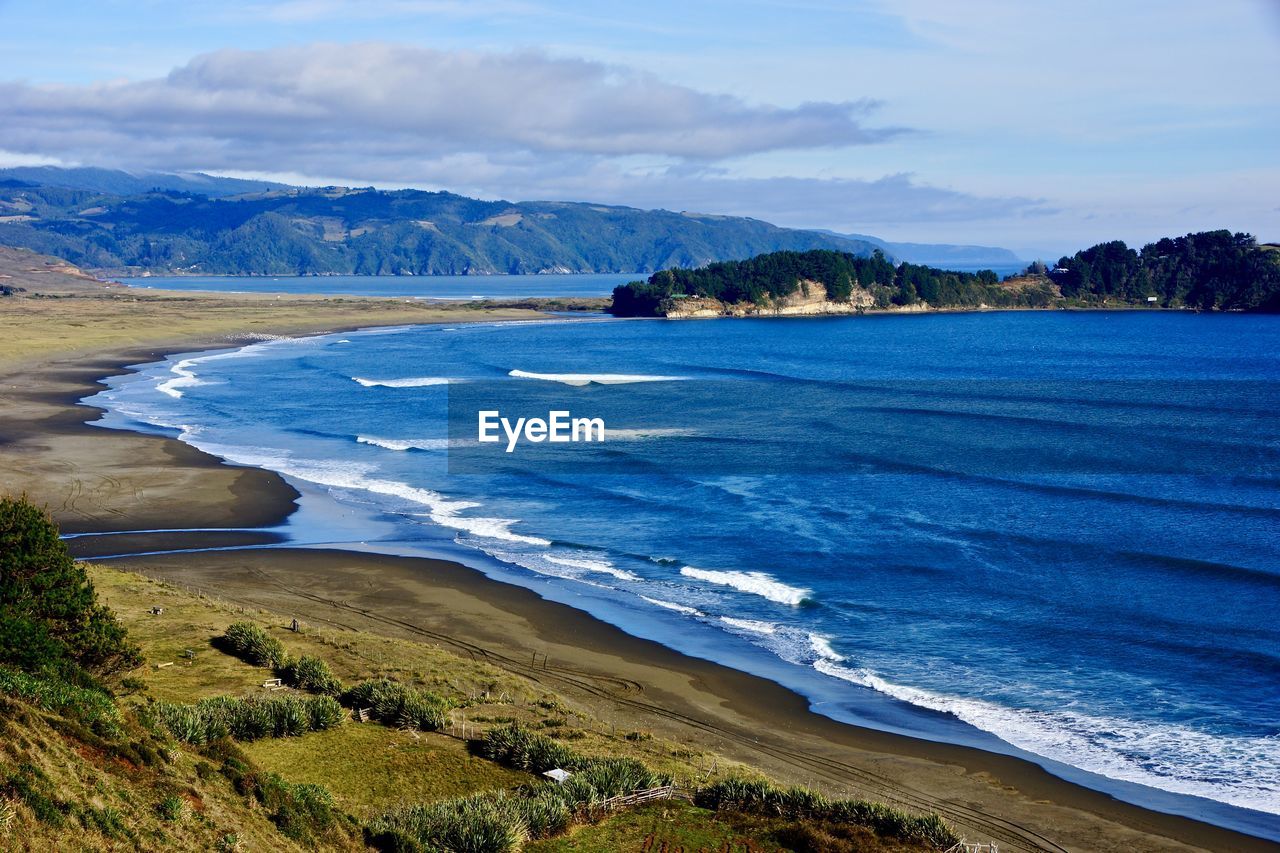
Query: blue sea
(1051, 534)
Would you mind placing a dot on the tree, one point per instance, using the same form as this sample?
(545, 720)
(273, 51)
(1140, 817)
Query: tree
(49, 614)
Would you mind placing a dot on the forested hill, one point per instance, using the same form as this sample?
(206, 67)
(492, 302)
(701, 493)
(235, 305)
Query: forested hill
(372, 232)
(1213, 270)
(872, 281)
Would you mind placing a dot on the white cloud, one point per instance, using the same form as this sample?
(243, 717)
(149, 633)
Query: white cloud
(510, 125)
(245, 109)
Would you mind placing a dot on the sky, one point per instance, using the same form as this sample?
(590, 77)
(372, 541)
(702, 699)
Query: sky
(1038, 126)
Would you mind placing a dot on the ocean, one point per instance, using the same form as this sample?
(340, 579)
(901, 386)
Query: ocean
(1051, 534)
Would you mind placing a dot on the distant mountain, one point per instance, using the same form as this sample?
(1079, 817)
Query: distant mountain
(117, 182)
(292, 230)
(940, 254)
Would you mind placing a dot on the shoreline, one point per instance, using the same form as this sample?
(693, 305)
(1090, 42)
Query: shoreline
(745, 717)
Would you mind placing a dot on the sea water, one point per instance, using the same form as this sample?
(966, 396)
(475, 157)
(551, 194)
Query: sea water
(1047, 533)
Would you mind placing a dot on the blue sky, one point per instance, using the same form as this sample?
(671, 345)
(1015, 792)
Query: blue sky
(1038, 126)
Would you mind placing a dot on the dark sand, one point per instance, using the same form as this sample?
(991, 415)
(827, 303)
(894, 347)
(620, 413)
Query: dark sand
(98, 480)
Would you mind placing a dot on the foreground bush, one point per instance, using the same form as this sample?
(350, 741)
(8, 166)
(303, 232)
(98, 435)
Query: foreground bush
(311, 674)
(50, 619)
(399, 704)
(249, 719)
(252, 644)
(763, 798)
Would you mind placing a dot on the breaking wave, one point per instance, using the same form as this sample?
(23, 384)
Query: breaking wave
(755, 583)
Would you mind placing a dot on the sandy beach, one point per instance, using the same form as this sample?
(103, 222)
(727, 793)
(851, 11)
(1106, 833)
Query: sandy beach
(96, 480)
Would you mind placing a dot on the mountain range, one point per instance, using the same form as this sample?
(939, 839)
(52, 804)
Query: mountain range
(193, 223)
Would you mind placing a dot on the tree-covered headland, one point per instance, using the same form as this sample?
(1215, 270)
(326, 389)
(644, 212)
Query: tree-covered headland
(1213, 270)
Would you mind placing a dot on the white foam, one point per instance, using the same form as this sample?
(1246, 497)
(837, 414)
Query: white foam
(671, 605)
(753, 626)
(1242, 771)
(405, 444)
(822, 648)
(442, 510)
(755, 583)
(600, 566)
(580, 379)
(183, 377)
(410, 382)
(613, 434)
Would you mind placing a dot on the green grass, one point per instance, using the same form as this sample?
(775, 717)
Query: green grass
(670, 825)
(392, 766)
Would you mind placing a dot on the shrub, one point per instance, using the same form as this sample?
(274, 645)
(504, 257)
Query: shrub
(517, 746)
(249, 719)
(758, 797)
(184, 722)
(107, 820)
(313, 675)
(399, 704)
(601, 778)
(172, 808)
(485, 823)
(324, 712)
(252, 644)
(501, 821)
(93, 708)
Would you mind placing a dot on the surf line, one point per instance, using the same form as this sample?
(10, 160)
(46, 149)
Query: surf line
(558, 427)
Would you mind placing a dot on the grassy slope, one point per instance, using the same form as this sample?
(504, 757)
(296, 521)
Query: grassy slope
(93, 800)
(110, 803)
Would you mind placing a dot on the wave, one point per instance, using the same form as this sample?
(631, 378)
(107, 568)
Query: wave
(600, 566)
(822, 648)
(405, 444)
(1240, 770)
(184, 377)
(641, 434)
(411, 382)
(442, 510)
(753, 626)
(580, 379)
(671, 605)
(755, 583)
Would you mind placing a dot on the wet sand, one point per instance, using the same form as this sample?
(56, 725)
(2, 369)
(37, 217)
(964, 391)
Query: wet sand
(97, 480)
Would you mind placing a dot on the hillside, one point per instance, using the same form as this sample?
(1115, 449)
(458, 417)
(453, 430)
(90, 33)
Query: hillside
(372, 232)
(117, 182)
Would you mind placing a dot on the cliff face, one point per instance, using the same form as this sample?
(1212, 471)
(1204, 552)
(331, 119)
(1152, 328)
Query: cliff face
(810, 299)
